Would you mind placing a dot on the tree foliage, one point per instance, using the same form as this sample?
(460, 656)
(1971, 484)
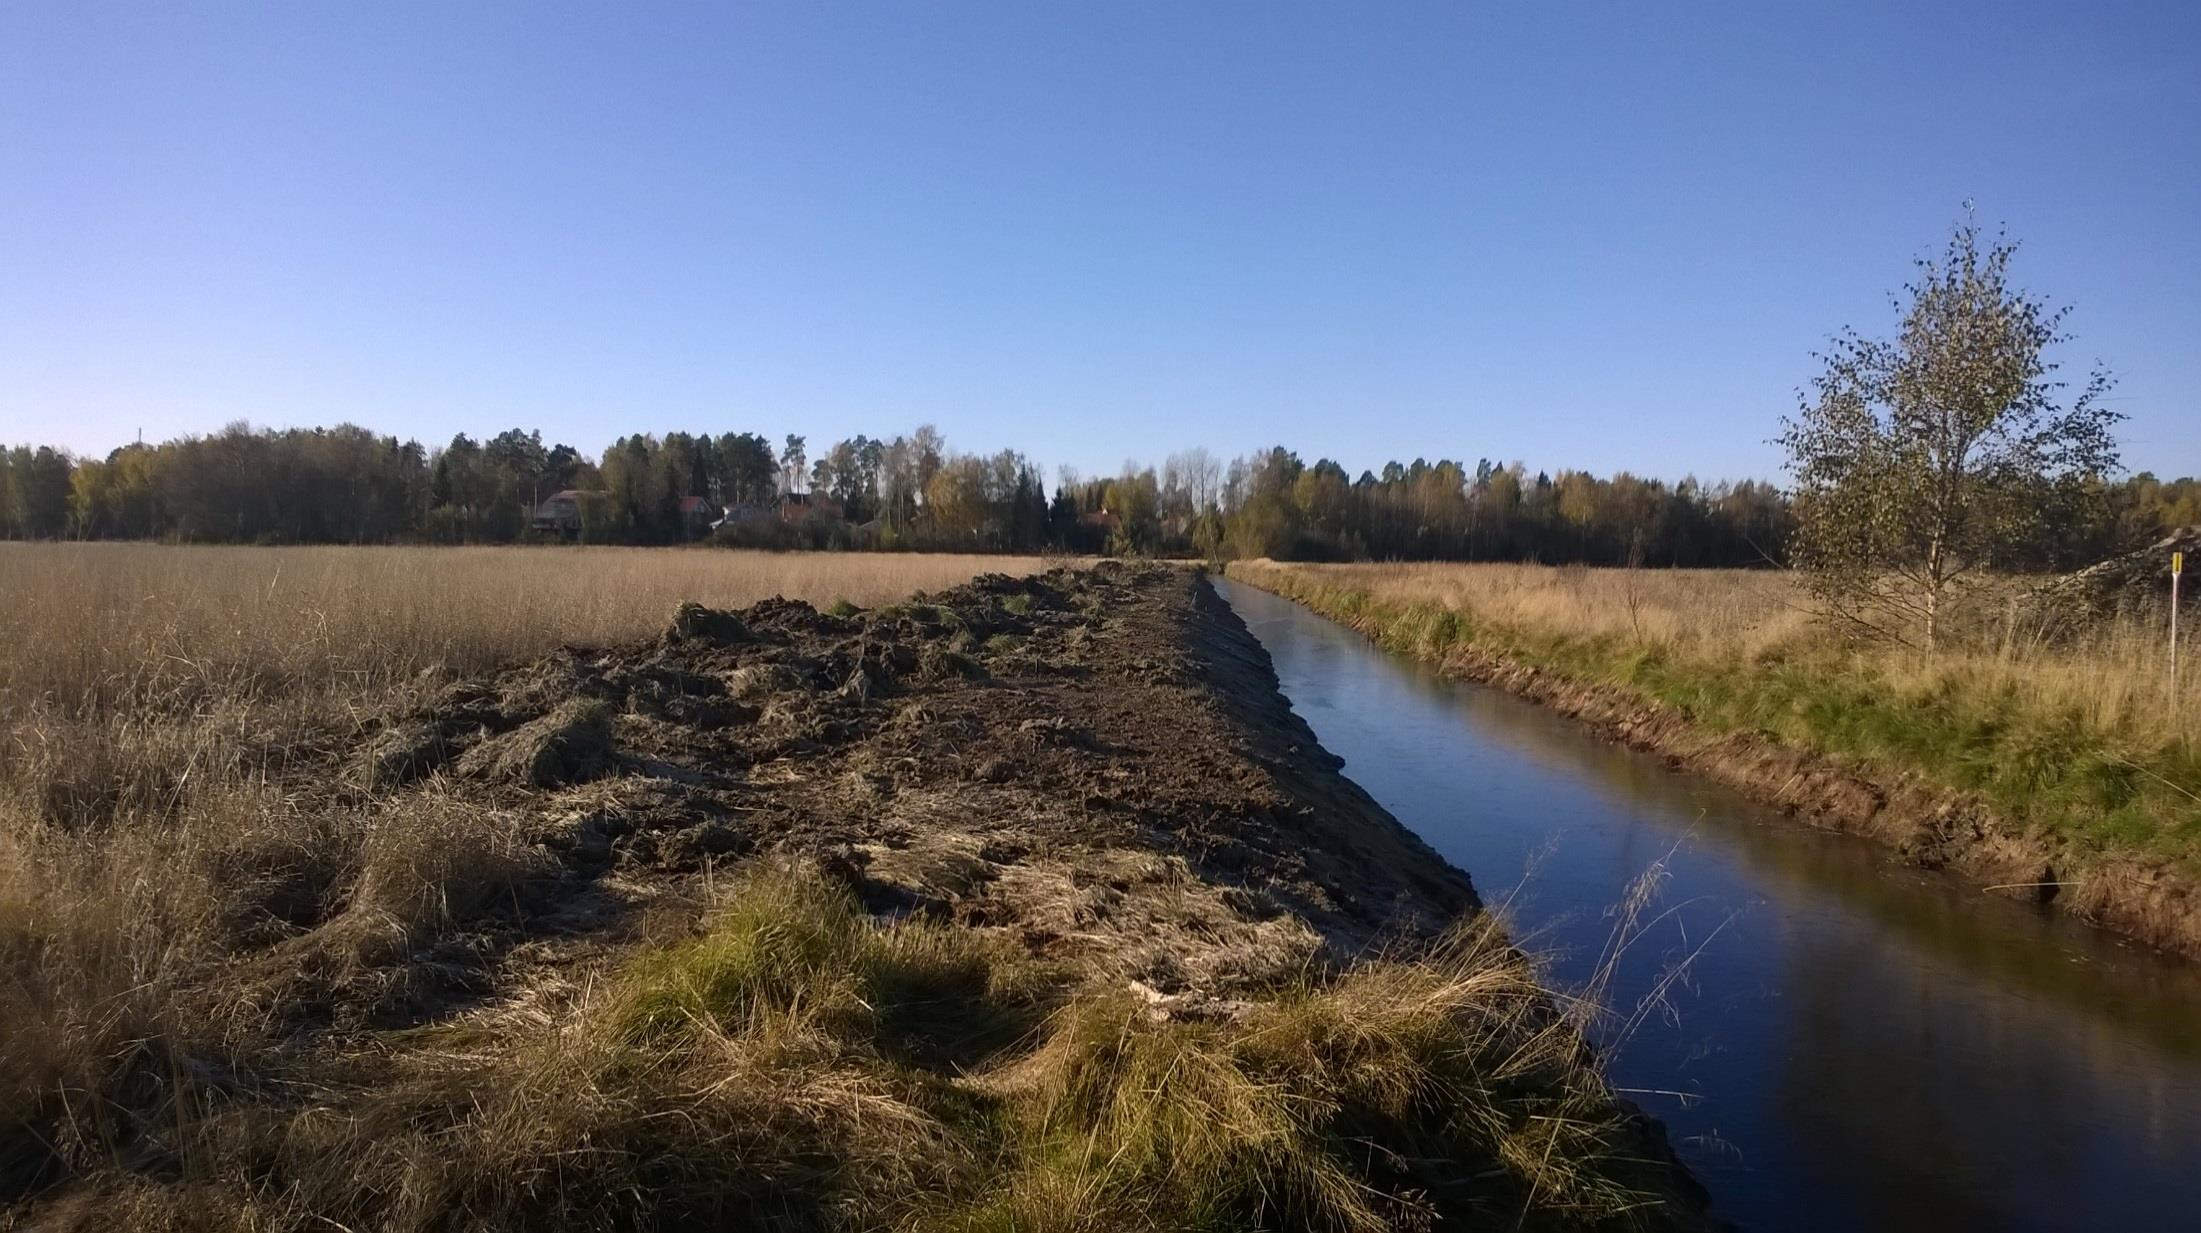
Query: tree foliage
(1950, 449)
(348, 485)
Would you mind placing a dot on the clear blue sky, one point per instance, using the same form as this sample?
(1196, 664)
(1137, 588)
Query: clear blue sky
(1605, 236)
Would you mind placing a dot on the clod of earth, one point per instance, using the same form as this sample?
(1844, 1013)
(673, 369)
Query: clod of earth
(763, 680)
(398, 754)
(693, 620)
(566, 746)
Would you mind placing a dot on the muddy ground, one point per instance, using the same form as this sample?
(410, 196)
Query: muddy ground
(1096, 759)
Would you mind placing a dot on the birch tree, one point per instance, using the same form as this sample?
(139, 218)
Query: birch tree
(1922, 461)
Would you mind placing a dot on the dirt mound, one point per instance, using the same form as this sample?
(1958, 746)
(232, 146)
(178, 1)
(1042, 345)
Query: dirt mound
(568, 745)
(1093, 757)
(2135, 582)
(693, 620)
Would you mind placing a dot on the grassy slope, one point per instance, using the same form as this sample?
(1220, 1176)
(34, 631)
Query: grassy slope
(925, 1075)
(2103, 792)
(797, 1065)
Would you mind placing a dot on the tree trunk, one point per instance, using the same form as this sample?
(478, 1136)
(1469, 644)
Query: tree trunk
(1935, 559)
(1933, 614)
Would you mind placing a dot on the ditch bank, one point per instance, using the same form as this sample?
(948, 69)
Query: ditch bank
(1026, 904)
(1927, 824)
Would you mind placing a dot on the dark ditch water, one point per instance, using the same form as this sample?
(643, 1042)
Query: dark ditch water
(1859, 1045)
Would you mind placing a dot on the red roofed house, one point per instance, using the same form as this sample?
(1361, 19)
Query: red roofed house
(697, 514)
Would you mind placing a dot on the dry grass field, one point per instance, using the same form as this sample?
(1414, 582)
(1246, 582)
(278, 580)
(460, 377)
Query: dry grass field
(2080, 734)
(155, 706)
(107, 625)
(148, 676)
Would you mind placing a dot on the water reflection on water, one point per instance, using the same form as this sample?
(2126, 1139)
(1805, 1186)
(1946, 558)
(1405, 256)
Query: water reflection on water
(1859, 1045)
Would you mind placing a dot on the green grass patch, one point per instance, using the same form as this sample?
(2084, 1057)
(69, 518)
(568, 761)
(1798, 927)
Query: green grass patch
(796, 948)
(798, 1064)
(1403, 1095)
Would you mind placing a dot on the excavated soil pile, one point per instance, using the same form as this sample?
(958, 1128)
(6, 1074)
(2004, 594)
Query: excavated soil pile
(1098, 758)
(2135, 583)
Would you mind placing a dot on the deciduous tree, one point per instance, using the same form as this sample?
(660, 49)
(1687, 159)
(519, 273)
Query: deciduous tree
(1922, 460)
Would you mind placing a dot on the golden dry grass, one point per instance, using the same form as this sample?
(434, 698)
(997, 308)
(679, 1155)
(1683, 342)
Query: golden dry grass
(154, 863)
(150, 699)
(128, 623)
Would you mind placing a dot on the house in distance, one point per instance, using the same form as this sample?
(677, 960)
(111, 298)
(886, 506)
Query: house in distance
(560, 512)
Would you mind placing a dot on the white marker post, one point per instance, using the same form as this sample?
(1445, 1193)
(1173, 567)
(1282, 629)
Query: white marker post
(2177, 567)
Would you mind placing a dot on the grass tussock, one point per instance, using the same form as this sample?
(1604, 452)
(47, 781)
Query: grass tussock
(153, 970)
(849, 1074)
(797, 1064)
(2080, 739)
(1403, 1094)
(795, 947)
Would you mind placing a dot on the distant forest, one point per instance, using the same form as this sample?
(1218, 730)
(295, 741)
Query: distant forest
(348, 485)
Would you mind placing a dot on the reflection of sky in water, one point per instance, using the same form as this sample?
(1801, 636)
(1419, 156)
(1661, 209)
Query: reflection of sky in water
(1870, 1046)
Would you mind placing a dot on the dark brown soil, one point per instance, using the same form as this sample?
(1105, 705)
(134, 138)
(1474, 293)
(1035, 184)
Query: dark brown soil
(1097, 758)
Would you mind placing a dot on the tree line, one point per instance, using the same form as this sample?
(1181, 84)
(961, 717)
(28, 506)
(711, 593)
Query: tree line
(347, 484)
